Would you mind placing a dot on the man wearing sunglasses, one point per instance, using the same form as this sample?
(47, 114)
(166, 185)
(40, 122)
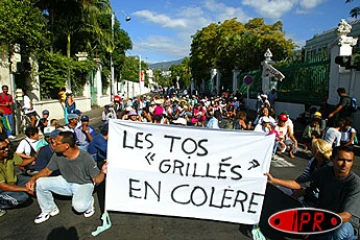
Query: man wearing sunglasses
(13, 192)
(79, 174)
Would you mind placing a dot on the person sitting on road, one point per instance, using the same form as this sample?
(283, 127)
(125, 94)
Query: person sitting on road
(45, 153)
(79, 174)
(264, 126)
(27, 149)
(311, 132)
(339, 192)
(199, 114)
(348, 133)
(239, 123)
(265, 112)
(84, 133)
(73, 120)
(133, 116)
(108, 113)
(286, 135)
(321, 152)
(214, 121)
(13, 192)
(332, 134)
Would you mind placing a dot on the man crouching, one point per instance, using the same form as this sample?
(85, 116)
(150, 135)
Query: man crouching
(79, 174)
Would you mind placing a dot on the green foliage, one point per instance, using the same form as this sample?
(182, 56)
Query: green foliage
(234, 45)
(63, 27)
(22, 23)
(131, 69)
(162, 80)
(56, 69)
(355, 12)
(183, 72)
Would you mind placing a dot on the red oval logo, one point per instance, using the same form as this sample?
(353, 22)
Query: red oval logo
(305, 221)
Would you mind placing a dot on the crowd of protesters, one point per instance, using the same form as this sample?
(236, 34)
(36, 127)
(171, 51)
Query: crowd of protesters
(80, 160)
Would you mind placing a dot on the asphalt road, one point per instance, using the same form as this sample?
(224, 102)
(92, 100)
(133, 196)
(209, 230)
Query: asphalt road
(18, 223)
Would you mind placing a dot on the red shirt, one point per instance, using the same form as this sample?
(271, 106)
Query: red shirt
(6, 98)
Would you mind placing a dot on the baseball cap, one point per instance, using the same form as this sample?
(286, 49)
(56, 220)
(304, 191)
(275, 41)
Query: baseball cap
(317, 114)
(72, 116)
(84, 118)
(48, 130)
(283, 117)
(77, 111)
(45, 112)
(54, 133)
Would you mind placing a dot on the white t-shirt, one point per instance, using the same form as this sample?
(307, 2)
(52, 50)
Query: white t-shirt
(27, 105)
(24, 146)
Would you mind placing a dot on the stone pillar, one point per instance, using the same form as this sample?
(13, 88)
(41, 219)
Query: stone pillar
(82, 56)
(265, 77)
(213, 73)
(97, 81)
(218, 78)
(235, 79)
(339, 76)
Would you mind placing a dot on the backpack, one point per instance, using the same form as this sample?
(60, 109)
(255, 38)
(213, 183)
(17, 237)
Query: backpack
(354, 106)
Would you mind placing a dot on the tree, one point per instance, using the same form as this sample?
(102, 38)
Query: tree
(131, 68)
(21, 23)
(355, 12)
(234, 45)
(183, 72)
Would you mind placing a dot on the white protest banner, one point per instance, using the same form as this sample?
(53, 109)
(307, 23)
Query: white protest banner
(187, 171)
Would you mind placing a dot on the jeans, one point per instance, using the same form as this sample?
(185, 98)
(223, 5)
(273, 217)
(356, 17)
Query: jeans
(81, 193)
(14, 199)
(344, 232)
(10, 119)
(276, 145)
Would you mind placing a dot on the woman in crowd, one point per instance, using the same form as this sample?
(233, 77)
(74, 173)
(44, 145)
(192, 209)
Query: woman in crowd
(240, 121)
(321, 151)
(70, 106)
(199, 114)
(265, 112)
(348, 133)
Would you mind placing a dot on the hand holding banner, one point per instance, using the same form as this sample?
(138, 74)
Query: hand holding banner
(187, 172)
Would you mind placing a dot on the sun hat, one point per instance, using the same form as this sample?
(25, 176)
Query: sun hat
(181, 121)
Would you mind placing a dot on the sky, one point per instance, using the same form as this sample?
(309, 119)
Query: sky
(161, 30)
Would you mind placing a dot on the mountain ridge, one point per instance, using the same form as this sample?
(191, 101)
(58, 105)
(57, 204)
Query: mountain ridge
(163, 66)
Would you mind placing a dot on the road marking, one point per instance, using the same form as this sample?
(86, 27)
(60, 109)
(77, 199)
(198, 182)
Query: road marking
(280, 162)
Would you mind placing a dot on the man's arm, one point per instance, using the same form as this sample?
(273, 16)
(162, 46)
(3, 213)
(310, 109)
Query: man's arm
(101, 176)
(338, 109)
(292, 184)
(31, 183)
(345, 216)
(5, 187)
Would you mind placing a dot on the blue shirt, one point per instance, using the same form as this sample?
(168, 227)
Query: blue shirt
(213, 123)
(81, 137)
(98, 148)
(43, 158)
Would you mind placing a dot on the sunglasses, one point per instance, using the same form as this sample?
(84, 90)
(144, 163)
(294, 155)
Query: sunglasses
(4, 147)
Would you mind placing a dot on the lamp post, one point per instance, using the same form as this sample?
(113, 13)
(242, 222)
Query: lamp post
(113, 89)
(140, 75)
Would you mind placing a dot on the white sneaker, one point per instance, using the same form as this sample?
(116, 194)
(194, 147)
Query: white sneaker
(91, 210)
(45, 216)
(2, 212)
(11, 137)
